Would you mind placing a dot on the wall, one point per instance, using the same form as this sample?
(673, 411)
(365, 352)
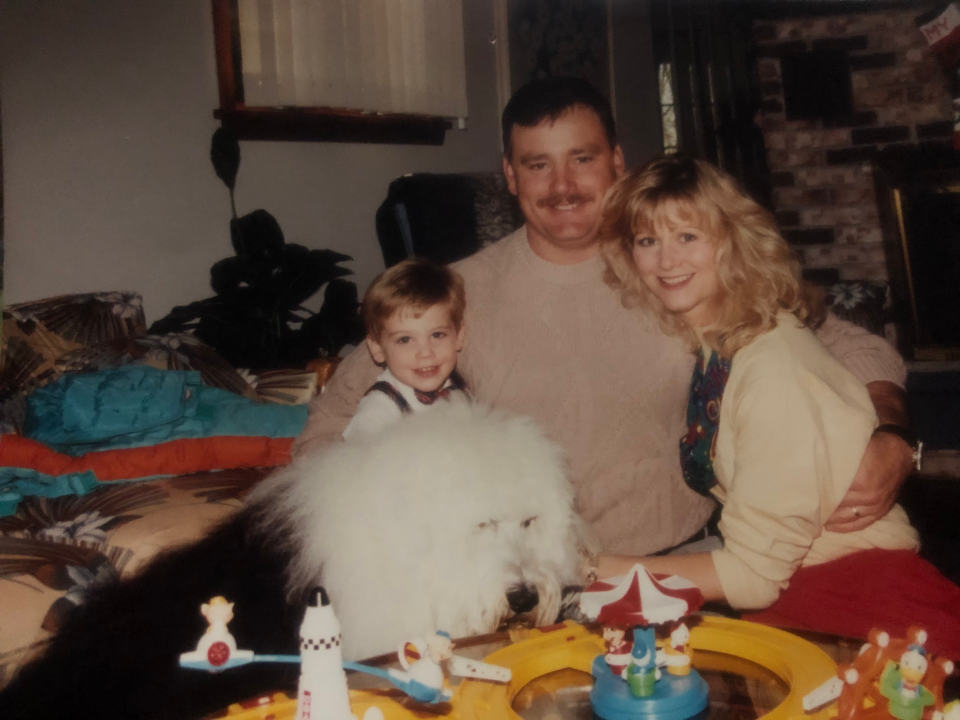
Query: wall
(107, 118)
(821, 173)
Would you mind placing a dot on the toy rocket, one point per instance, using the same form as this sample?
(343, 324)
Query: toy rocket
(323, 684)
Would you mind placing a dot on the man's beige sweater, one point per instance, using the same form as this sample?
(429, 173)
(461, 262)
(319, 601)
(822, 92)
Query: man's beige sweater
(553, 342)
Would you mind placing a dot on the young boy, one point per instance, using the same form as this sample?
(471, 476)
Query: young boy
(413, 313)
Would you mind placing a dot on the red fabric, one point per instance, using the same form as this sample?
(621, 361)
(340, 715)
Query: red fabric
(178, 457)
(886, 589)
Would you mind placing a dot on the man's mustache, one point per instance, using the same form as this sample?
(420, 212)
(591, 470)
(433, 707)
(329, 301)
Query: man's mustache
(554, 200)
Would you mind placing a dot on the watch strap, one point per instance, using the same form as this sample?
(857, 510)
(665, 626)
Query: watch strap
(900, 431)
(905, 434)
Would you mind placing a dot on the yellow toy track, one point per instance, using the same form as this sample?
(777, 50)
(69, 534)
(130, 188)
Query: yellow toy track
(800, 664)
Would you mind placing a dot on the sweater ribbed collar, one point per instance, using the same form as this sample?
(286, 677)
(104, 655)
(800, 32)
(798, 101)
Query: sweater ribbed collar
(587, 271)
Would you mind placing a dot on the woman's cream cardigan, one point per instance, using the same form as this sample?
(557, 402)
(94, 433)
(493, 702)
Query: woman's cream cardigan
(793, 427)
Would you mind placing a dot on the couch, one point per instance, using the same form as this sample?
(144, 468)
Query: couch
(103, 513)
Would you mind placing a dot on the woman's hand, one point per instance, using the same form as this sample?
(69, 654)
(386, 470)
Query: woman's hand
(885, 465)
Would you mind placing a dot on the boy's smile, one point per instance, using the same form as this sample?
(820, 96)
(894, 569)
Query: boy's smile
(419, 347)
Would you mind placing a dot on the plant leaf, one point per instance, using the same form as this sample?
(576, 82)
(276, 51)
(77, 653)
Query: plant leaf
(338, 323)
(225, 156)
(183, 318)
(262, 238)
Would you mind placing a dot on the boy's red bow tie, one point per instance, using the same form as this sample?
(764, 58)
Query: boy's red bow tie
(431, 396)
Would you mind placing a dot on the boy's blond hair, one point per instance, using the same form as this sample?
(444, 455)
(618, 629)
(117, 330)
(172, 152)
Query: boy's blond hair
(416, 285)
(758, 273)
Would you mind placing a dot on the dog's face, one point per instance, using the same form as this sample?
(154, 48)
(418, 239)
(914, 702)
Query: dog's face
(441, 522)
(515, 557)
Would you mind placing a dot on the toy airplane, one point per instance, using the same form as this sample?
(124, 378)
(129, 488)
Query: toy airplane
(459, 666)
(421, 677)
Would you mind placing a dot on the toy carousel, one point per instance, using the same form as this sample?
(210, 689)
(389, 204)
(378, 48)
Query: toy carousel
(636, 676)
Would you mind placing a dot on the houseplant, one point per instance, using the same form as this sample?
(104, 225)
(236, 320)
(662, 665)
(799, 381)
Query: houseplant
(256, 318)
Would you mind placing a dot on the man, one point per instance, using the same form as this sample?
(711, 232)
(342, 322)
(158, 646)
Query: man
(547, 338)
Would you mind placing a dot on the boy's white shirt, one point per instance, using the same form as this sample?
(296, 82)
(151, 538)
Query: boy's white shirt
(377, 410)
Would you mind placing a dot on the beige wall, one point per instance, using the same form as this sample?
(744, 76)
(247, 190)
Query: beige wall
(107, 122)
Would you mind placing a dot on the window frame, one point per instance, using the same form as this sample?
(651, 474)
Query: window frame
(317, 124)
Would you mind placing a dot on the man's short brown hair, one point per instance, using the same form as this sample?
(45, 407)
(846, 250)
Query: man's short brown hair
(416, 284)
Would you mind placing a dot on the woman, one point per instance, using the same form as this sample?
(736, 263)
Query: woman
(776, 425)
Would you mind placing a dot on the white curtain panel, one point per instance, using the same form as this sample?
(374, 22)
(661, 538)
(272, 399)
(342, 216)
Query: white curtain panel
(388, 56)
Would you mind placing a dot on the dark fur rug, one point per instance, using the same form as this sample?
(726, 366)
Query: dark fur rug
(115, 663)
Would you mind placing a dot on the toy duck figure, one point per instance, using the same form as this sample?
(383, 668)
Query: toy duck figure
(423, 678)
(676, 654)
(618, 649)
(900, 684)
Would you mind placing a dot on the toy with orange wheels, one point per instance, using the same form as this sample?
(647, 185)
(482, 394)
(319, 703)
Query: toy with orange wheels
(890, 678)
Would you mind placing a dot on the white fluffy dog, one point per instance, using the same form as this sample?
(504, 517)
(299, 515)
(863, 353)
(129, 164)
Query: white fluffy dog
(429, 526)
(442, 522)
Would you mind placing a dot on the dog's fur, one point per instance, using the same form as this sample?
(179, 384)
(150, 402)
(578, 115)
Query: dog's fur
(427, 526)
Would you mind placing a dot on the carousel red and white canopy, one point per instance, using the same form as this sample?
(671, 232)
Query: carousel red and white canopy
(640, 598)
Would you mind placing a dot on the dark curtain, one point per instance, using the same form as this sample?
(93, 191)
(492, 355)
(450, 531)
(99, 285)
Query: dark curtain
(709, 49)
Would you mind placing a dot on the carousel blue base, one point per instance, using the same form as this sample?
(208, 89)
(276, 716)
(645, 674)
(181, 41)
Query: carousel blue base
(676, 697)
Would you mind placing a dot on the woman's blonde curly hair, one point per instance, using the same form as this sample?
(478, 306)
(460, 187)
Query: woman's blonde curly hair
(758, 274)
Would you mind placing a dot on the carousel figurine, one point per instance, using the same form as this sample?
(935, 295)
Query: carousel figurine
(619, 649)
(676, 655)
(643, 673)
(641, 600)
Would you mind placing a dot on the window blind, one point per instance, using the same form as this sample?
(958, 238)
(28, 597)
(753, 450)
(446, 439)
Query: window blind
(388, 56)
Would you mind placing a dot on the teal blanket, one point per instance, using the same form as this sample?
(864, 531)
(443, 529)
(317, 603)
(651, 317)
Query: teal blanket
(137, 406)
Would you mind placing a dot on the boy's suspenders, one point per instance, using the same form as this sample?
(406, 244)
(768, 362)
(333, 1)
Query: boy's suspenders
(391, 392)
(456, 383)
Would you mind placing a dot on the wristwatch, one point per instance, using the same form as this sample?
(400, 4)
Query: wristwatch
(907, 436)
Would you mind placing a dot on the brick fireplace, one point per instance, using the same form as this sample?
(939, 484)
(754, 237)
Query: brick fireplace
(821, 172)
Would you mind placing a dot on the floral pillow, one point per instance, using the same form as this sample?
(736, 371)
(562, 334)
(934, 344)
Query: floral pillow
(37, 333)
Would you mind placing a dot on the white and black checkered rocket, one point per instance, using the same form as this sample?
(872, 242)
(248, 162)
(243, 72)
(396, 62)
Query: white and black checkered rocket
(323, 683)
